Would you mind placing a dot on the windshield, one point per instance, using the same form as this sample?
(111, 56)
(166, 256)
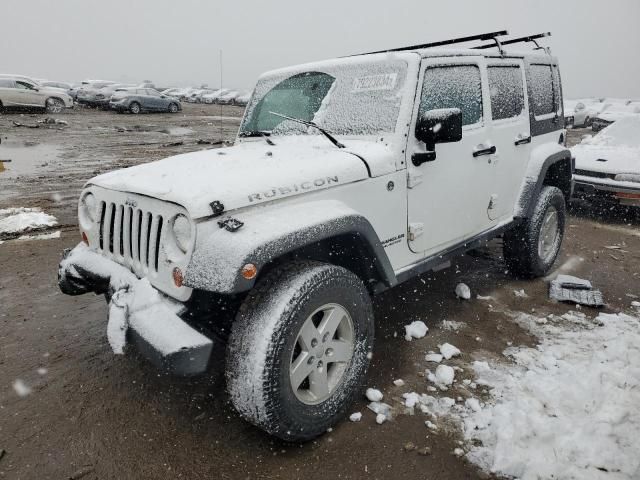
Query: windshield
(354, 99)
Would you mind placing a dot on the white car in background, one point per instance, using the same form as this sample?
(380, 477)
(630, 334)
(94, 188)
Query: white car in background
(17, 92)
(228, 98)
(213, 96)
(243, 99)
(614, 112)
(608, 164)
(580, 113)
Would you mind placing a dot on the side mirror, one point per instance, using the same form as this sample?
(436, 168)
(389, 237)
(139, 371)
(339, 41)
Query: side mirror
(443, 125)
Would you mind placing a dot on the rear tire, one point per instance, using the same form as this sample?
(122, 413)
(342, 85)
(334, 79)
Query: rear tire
(299, 349)
(135, 108)
(531, 248)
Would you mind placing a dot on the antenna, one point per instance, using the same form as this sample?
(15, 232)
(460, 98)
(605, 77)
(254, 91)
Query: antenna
(220, 109)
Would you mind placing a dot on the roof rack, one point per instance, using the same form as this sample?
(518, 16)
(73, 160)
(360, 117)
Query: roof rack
(530, 38)
(482, 37)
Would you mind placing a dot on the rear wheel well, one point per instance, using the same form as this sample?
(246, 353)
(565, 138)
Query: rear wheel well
(350, 251)
(559, 175)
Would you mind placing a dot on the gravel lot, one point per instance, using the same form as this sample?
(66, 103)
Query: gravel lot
(92, 415)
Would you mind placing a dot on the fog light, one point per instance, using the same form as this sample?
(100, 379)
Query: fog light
(178, 278)
(249, 271)
(85, 239)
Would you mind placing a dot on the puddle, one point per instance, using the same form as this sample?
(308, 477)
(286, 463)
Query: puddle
(26, 158)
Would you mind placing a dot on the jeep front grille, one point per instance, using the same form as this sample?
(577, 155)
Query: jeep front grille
(131, 234)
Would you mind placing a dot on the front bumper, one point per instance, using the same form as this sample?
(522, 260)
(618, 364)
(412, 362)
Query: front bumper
(138, 313)
(607, 190)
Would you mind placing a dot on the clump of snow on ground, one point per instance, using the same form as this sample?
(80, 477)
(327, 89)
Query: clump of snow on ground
(355, 417)
(448, 351)
(373, 395)
(21, 388)
(433, 357)
(569, 408)
(14, 221)
(463, 291)
(444, 375)
(416, 329)
(399, 382)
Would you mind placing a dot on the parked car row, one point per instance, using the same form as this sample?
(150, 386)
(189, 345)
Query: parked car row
(597, 113)
(224, 96)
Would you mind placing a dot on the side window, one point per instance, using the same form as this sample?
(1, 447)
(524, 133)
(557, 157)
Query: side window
(23, 86)
(542, 89)
(506, 89)
(6, 83)
(454, 86)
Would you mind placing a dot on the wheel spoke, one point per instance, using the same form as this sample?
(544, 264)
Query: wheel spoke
(319, 382)
(331, 321)
(340, 351)
(300, 369)
(308, 333)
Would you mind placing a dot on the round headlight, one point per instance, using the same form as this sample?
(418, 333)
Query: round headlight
(182, 232)
(88, 210)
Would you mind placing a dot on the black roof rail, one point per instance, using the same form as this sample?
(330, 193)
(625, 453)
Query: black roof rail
(529, 38)
(482, 37)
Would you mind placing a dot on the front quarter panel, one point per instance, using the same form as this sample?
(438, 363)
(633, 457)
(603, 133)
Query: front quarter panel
(269, 233)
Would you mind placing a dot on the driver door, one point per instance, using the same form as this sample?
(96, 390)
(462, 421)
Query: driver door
(449, 194)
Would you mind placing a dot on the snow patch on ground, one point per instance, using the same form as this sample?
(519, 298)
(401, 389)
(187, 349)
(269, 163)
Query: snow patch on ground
(569, 408)
(14, 221)
(463, 291)
(448, 351)
(373, 395)
(416, 329)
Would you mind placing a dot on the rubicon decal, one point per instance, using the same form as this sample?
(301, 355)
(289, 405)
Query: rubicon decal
(296, 187)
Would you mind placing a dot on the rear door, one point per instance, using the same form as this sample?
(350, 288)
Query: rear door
(7, 92)
(510, 131)
(27, 95)
(448, 197)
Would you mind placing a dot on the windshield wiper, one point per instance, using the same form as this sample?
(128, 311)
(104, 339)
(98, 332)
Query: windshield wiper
(258, 133)
(331, 138)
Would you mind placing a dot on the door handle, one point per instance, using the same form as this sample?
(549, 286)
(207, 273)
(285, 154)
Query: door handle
(522, 139)
(484, 150)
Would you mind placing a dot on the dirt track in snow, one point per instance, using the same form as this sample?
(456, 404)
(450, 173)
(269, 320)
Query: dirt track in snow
(96, 416)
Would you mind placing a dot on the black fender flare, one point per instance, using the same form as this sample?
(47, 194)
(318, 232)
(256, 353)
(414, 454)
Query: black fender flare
(271, 232)
(534, 183)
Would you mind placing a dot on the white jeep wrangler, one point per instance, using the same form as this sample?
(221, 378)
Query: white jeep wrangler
(348, 177)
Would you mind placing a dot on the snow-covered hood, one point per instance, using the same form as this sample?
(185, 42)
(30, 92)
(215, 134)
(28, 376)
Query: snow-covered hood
(249, 173)
(607, 159)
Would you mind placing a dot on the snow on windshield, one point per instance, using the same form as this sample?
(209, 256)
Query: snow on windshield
(361, 98)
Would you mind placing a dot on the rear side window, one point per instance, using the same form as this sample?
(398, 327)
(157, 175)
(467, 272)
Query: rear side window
(454, 86)
(6, 83)
(542, 89)
(507, 93)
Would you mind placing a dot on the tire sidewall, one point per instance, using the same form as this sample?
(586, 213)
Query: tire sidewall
(548, 196)
(270, 402)
(132, 108)
(173, 108)
(319, 417)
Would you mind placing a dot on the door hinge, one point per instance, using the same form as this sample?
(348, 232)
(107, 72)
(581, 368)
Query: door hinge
(413, 179)
(415, 230)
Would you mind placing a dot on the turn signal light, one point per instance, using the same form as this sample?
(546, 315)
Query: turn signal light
(85, 239)
(178, 278)
(249, 271)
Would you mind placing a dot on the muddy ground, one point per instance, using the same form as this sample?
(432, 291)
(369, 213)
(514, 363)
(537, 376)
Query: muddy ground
(93, 415)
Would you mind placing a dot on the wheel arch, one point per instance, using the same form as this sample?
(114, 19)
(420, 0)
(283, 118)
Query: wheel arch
(549, 165)
(326, 231)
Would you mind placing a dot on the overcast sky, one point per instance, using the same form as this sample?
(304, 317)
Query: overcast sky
(178, 42)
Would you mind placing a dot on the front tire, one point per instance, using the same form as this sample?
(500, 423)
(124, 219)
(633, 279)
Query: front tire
(531, 248)
(135, 108)
(299, 349)
(54, 105)
(173, 108)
